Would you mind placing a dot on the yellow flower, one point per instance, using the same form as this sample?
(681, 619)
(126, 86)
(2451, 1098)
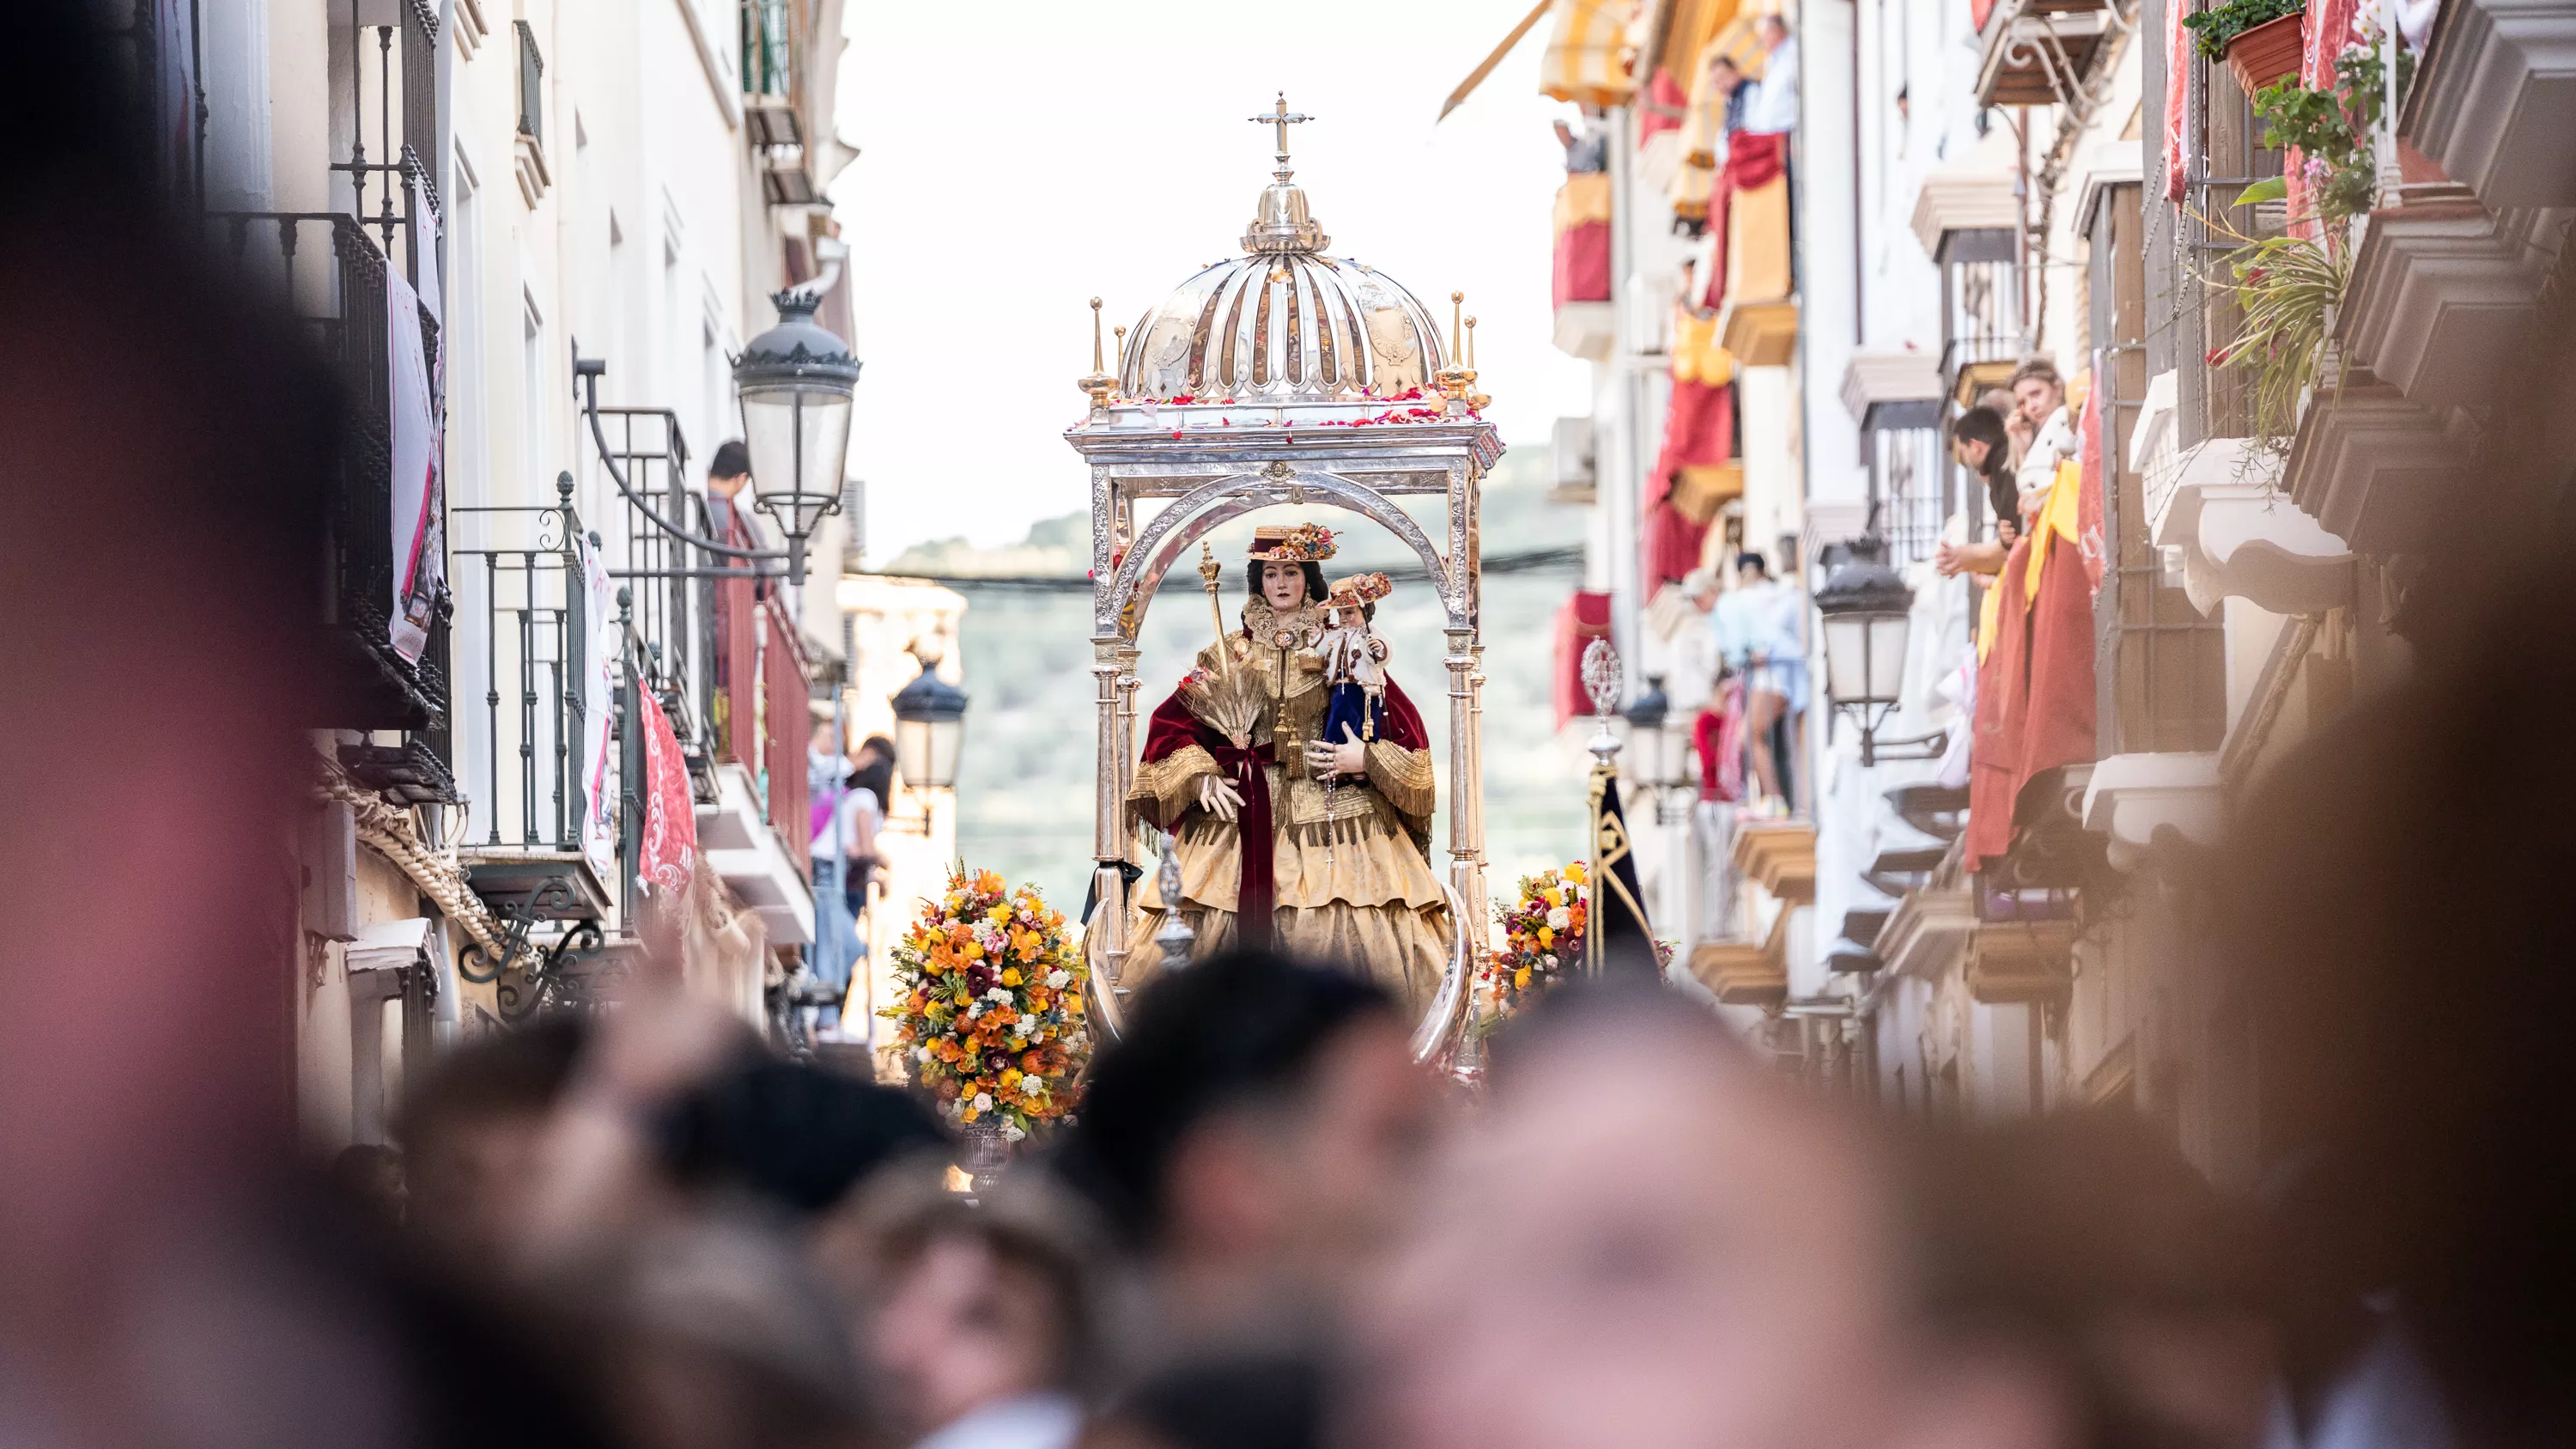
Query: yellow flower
(1520, 979)
(998, 915)
(967, 1116)
(1010, 1078)
(1010, 976)
(1546, 936)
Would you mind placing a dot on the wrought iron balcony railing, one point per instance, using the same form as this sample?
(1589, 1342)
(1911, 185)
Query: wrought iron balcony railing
(535, 728)
(336, 277)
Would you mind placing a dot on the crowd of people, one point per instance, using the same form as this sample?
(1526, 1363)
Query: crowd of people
(1269, 1226)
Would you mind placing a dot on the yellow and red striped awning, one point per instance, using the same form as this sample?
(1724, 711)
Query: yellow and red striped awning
(1591, 53)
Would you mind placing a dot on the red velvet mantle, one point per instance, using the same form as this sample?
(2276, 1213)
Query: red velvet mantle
(1173, 729)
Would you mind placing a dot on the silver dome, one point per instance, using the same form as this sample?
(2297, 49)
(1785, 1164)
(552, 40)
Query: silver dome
(1283, 323)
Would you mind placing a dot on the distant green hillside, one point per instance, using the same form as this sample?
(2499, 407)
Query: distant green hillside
(1025, 783)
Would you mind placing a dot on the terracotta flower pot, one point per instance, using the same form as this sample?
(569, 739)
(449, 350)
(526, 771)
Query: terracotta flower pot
(2267, 53)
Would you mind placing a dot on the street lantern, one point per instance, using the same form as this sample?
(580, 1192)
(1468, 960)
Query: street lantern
(796, 382)
(1867, 613)
(929, 725)
(1660, 772)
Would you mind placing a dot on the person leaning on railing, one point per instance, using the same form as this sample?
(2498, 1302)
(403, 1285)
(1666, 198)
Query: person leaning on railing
(1982, 446)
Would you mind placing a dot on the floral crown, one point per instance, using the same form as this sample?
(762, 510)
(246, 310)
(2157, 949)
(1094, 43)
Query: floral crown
(1304, 543)
(1356, 589)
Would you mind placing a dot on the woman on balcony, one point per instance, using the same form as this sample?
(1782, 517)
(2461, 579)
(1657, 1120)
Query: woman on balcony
(1757, 638)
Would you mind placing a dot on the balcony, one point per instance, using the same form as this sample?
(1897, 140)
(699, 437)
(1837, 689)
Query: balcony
(2041, 52)
(713, 640)
(1586, 319)
(538, 649)
(528, 150)
(1969, 223)
(388, 674)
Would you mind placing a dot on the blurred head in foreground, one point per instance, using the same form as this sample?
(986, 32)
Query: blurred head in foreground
(972, 1307)
(2392, 902)
(472, 1131)
(1653, 1241)
(1252, 1134)
(2083, 1243)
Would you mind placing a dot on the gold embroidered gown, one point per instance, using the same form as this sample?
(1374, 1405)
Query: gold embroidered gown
(1350, 860)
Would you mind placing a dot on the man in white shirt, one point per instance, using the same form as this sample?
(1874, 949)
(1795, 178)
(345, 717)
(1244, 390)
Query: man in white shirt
(1774, 106)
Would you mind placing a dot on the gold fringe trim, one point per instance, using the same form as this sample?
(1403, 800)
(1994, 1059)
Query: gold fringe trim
(1404, 777)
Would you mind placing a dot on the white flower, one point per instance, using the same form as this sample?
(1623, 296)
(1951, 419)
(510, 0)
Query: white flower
(983, 1101)
(997, 993)
(1012, 1132)
(1057, 979)
(974, 1010)
(1551, 962)
(1030, 1085)
(921, 1054)
(1559, 918)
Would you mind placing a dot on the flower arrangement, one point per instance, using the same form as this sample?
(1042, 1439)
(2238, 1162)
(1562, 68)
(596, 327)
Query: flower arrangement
(992, 1013)
(1542, 940)
(1542, 935)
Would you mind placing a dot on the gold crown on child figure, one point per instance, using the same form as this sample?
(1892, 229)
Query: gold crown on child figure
(1299, 543)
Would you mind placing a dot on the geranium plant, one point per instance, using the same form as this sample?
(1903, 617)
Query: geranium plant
(2214, 28)
(991, 1021)
(2331, 131)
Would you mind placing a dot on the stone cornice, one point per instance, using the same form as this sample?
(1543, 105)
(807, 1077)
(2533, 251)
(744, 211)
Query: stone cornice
(1927, 932)
(2249, 541)
(2494, 103)
(1760, 334)
(2372, 466)
(1958, 199)
(1780, 857)
(2132, 798)
(2438, 304)
(1741, 973)
(1884, 377)
(2010, 962)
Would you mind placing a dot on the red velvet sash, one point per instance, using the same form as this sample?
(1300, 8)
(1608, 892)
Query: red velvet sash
(1256, 893)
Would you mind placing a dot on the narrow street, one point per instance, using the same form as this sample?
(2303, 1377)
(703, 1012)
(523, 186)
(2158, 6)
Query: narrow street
(1686, 724)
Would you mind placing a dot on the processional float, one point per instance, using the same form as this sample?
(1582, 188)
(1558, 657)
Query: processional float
(1282, 377)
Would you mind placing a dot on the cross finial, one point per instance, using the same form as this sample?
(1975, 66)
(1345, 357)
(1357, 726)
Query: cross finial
(1279, 118)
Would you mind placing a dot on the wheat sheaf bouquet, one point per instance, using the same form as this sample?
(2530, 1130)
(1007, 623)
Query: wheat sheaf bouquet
(991, 1021)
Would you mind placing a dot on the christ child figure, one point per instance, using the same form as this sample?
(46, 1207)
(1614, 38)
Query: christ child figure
(1356, 703)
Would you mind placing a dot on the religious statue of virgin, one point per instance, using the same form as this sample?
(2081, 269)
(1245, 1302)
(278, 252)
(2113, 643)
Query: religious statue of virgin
(1285, 837)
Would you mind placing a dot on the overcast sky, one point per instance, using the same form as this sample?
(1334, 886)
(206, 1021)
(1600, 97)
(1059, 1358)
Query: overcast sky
(1018, 158)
